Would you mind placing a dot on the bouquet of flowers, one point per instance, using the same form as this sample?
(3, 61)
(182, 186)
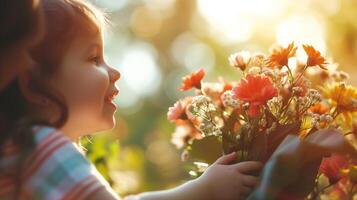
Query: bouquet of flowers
(277, 95)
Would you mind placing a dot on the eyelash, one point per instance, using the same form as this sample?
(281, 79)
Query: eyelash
(96, 60)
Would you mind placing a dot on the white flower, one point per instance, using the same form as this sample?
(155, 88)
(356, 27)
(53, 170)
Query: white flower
(268, 72)
(257, 60)
(254, 70)
(228, 100)
(240, 60)
(297, 90)
(209, 128)
(200, 100)
(314, 95)
(302, 101)
(326, 118)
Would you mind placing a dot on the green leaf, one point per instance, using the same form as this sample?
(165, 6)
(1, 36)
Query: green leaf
(207, 150)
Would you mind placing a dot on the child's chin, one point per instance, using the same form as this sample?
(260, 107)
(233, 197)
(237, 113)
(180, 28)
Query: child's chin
(109, 123)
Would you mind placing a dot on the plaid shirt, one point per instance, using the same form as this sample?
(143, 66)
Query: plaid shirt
(55, 169)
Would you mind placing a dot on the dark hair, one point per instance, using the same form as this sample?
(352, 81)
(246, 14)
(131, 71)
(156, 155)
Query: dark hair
(64, 20)
(21, 25)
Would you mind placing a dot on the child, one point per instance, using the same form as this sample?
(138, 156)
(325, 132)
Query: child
(70, 94)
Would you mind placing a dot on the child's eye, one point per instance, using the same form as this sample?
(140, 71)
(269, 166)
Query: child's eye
(96, 60)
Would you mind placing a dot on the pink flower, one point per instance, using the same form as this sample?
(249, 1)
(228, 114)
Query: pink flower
(175, 112)
(257, 90)
(178, 110)
(193, 80)
(184, 133)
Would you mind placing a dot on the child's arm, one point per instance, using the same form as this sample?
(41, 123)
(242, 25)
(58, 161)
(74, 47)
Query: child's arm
(220, 181)
(189, 190)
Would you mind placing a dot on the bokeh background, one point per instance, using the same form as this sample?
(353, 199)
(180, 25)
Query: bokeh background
(153, 43)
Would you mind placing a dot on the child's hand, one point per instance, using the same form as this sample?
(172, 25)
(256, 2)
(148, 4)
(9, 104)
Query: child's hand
(223, 181)
(220, 181)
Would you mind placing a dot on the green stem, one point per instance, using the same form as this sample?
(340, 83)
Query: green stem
(318, 192)
(300, 75)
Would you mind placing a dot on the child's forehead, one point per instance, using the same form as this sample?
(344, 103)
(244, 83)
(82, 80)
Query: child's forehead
(88, 41)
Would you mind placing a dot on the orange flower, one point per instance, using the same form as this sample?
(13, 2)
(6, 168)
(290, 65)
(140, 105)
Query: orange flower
(331, 167)
(314, 57)
(280, 56)
(319, 108)
(257, 90)
(193, 80)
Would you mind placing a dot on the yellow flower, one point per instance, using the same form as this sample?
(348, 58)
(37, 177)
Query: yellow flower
(344, 97)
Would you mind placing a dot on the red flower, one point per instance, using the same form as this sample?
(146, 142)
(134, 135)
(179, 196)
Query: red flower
(257, 90)
(193, 80)
(331, 167)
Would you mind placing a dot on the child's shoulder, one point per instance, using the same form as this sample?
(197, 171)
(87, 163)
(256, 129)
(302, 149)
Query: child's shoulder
(54, 147)
(48, 137)
(57, 164)
(43, 133)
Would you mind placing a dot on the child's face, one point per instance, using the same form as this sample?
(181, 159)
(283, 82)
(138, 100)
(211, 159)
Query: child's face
(88, 85)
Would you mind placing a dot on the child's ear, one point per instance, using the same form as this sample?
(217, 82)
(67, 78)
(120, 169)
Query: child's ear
(28, 91)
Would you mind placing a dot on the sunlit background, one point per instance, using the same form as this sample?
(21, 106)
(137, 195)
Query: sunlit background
(153, 43)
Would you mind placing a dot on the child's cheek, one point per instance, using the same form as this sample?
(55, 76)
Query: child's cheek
(90, 91)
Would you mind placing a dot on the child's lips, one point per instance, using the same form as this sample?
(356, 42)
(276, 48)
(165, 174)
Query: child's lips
(111, 96)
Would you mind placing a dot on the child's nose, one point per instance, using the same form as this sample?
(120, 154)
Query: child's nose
(114, 74)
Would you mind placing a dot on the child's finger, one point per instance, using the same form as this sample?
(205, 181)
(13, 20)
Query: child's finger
(248, 166)
(226, 159)
(250, 181)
